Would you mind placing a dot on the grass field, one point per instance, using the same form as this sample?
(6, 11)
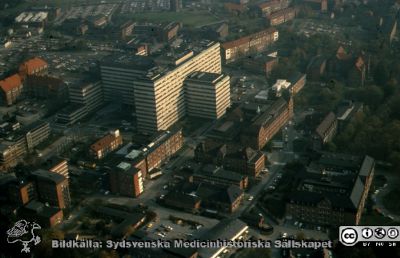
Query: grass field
(188, 18)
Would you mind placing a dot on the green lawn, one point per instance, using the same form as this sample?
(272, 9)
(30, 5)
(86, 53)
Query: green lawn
(188, 18)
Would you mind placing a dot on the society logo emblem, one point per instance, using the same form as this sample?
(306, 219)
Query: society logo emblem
(349, 236)
(24, 232)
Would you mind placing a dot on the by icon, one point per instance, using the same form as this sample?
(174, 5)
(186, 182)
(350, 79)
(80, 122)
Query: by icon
(367, 233)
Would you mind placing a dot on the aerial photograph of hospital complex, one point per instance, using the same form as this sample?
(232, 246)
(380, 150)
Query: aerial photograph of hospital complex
(200, 128)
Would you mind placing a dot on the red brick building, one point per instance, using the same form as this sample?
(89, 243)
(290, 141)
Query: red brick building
(335, 193)
(52, 188)
(297, 81)
(105, 145)
(21, 193)
(250, 44)
(33, 66)
(281, 16)
(163, 146)
(268, 7)
(11, 89)
(266, 123)
(44, 215)
(238, 159)
(261, 64)
(126, 180)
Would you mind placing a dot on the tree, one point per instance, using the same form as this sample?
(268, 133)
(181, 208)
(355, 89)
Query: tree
(381, 73)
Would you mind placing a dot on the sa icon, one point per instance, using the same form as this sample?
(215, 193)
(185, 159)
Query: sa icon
(348, 236)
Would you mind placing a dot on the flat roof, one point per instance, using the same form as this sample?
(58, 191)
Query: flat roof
(205, 77)
(47, 175)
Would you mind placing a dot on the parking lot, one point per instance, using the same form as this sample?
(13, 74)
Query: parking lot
(134, 6)
(83, 12)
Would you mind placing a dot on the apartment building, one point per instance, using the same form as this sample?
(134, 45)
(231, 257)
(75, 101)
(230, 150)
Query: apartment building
(11, 153)
(126, 180)
(163, 146)
(281, 16)
(106, 144)
(58, 165)
(36, 133)
(52, 188)
(71, 114)
(207, 95)
(159, 96)
(127, 29)
(11, 89)
(266, 8)
(118, 74)
(87, 94)
(253, 43)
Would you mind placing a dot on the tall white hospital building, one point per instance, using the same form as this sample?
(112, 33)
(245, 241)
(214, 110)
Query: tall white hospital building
(156, 90)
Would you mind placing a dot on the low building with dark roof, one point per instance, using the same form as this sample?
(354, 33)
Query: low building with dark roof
(128, 225)
(218, 176)
(335, 193)
(182, 201)
(222, 199)
(46, 216)
(262, 63)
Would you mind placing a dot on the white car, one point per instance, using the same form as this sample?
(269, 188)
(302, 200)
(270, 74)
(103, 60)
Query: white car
(284, 235)
(160, 234)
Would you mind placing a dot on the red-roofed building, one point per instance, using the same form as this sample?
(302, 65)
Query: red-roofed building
(106, 145)
(11, 89)
(35, 65)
